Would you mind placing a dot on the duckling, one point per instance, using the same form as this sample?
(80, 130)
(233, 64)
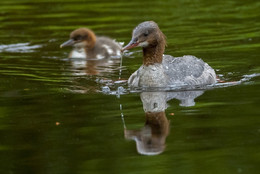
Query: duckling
(87, 45)
(159, 70)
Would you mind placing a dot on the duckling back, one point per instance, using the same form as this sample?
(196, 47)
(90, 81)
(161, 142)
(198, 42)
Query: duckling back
(188, 70)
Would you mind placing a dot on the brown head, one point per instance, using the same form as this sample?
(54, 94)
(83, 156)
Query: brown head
(81, 37)
(148, 36)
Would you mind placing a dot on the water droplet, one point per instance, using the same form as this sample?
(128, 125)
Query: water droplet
(105, 89)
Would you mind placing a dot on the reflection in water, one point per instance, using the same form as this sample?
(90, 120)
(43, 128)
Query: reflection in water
(150, 140)
(86, 71)
(93, 66)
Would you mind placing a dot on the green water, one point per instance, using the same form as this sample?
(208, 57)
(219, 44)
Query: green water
(54, 117)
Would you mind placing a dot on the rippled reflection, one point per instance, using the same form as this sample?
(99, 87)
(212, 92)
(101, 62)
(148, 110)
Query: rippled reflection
(150, 140)
(93, 67)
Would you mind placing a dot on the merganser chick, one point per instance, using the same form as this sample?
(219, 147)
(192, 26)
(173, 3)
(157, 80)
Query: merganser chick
(160, 70)
(87, 45)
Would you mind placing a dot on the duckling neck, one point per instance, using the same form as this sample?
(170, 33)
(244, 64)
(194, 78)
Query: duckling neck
(90, 42)
(90, 48)
(153, 54)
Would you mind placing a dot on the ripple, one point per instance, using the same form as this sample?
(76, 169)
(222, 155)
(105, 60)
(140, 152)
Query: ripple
(19, 48)
(112, 88)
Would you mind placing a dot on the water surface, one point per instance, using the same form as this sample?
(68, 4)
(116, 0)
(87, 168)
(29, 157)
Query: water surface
(61, 116)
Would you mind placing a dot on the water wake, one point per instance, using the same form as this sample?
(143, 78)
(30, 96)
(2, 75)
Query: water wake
(119, 90)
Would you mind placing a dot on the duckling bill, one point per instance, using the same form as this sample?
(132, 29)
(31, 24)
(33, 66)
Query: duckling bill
(87, 45)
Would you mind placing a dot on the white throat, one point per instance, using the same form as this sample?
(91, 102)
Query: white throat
(78, 53)
(143, 44)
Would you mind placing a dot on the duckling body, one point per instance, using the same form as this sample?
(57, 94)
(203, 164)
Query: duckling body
(160, 70)
(186, 70)
(87, 45)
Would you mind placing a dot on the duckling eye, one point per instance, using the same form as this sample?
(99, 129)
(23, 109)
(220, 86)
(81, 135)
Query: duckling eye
(77, 38)
(146, 34)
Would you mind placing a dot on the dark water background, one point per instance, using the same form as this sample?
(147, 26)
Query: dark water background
(54, 117)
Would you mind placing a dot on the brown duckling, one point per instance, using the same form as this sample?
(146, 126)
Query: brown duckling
(87, 45)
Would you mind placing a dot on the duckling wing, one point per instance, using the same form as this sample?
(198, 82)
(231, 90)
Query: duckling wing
(134, 79)
(188, 70)
(108, 47)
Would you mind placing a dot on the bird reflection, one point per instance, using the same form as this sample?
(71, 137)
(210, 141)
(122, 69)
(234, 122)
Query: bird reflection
(93, 67)
(150, 140)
